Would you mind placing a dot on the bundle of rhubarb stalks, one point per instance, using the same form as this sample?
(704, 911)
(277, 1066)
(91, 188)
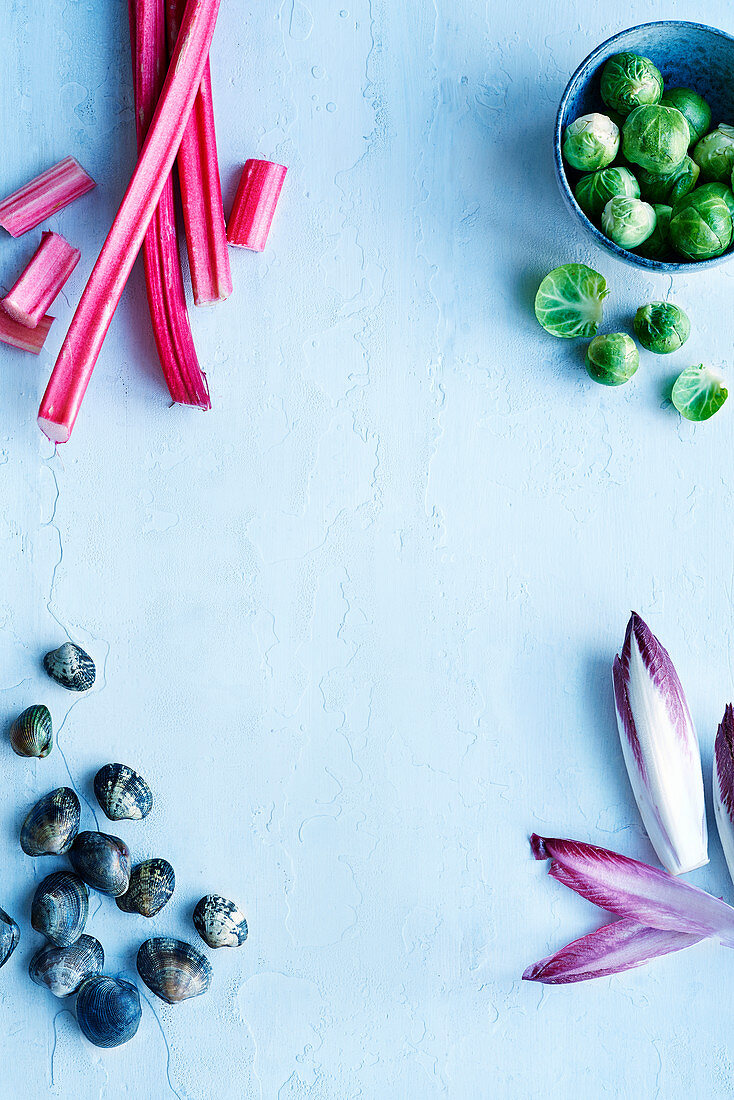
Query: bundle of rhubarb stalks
(174, 115)
(657, 912)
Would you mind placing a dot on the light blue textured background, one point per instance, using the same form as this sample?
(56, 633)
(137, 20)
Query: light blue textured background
(356, 624)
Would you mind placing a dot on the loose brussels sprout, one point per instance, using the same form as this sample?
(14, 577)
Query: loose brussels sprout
(629, 81)
(591, 142)
(569, 301)
(628, 222)
(699, 392)
(714, 154)
(662, 327)
(657, 245)
(701, 227)
(593, 192)
(668, 187)
(656, 138)
(721, 189)
(612, 358)
(692, 106)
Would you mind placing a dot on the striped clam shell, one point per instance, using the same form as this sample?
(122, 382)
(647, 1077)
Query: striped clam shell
(9, 936)
(63, 969)
(108, 1010)
(70, 666)
(51, 824)
(60, 908)
(173, 969)
(31, 734)
(103, 861)
(220, 922)
(151, 884)
(122, 793)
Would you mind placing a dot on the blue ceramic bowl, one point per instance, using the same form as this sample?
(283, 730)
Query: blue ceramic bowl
(689, 55)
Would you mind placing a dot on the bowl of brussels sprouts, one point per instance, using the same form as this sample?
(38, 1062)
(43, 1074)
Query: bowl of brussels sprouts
(644, 145)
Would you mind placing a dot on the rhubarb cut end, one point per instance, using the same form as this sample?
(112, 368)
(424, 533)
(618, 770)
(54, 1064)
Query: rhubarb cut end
(18, 315)
(57, 433)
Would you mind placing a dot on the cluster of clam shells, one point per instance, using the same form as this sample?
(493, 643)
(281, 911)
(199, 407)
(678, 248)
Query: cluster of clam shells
(71, 962)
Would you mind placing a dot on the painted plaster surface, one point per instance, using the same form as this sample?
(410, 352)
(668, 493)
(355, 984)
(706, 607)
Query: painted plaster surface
(356, 624)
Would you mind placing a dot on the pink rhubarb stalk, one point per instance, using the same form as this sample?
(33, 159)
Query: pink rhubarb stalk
(254, 205)
(201, 190)
(18, 336)
(164, 281)
(78, 355)
(632, 889)
(616, 947)
(43, 196)
(38, 286)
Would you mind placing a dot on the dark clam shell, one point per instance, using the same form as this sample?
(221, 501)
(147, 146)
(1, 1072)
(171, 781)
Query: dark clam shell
(60, 908)
(52, 824)
(122, 793)
(108, 1011)
(173, 969)
(151, 884)
(103, 862)
(63, 969)
(220, 922)
(70, 666)
(31, 734)
(9, 936)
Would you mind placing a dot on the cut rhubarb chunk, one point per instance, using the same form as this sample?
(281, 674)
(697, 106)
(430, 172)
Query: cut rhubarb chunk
(18, 336)
(254, 205)
(74, 367)
(201, 191)
(43, 196)
(164, 281)
(51, 265)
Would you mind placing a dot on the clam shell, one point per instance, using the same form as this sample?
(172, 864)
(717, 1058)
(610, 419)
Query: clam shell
(151, 885)
(103, 862)
(63, 969)
(70, 666)
(9, 936)
(220, 922)
(52, 824)
(108, 1010)
(31, 734)
(173, 969)
(60, 908)
(122, 793)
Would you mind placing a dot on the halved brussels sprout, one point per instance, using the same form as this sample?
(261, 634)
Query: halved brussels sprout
(569, 301)
(662, 327)
(590, 142)
(656, 138)
(699, 392)
(701, 227)
(657, 245)
(668, 187)
(692, 106)
(628, 222)
(714, 154)
(593, 192)
(612, 358)
(629, 81)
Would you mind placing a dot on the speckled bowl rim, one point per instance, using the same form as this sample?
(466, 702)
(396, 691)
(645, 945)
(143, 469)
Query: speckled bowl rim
(582, 73)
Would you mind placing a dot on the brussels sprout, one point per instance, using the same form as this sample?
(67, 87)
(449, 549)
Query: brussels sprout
(569, 301)
(590, 142)
(656, 138)
(612, 358)
(657, 245)
(699, 392)
(628, 222)
(593, 192)
(714, 154)
(701, 227)
(662, 327)
(629, 81)
(668, 187)
(692, 106)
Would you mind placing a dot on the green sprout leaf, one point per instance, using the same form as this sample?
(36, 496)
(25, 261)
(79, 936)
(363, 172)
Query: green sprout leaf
(699, 392)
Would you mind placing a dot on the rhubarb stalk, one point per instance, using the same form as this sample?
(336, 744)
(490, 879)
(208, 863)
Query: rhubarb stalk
(164, 281)
(19, 336)
(254, 206)
(43, 196)
(79, 352)
(201, 190)
(38, 286)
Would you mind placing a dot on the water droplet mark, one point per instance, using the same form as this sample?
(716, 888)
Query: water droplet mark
(331, 107)
(301, 21)
(318, 73)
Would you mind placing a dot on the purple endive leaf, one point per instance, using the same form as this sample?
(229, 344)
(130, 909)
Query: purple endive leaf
(660, 749)
(619, 946)
(633, 889)
(724, 785)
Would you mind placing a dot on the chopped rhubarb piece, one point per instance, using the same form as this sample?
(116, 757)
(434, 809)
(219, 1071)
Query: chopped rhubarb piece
(43, 196)
(18, 336)
(254, 205)
(51, 265)
(75, 364)
(201, 190)
(166, 296)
